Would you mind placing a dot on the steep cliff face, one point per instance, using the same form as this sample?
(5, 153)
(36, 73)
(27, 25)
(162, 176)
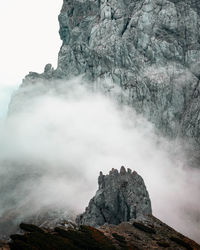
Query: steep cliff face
(121, 196)
(150, 48)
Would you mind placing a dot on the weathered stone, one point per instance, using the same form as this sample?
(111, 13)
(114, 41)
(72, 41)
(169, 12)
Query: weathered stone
(150, 48)
(120, 197)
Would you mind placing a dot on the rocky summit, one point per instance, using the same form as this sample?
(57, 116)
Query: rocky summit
(120, 197)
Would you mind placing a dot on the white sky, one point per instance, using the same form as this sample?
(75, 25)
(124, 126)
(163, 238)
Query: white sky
(29, 39)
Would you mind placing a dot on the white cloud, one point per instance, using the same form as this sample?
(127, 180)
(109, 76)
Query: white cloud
(29, 37)
(53, 150)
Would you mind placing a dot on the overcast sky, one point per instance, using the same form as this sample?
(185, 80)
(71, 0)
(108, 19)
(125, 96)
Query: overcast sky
(29, 40)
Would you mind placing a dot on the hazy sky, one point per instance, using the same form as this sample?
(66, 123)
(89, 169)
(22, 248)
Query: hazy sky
(29, 40)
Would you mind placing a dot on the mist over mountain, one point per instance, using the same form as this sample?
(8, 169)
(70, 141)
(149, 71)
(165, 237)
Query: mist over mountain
(125, 92)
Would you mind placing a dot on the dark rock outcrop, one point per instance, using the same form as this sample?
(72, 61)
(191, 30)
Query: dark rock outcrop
(120, 197)
(61, 239)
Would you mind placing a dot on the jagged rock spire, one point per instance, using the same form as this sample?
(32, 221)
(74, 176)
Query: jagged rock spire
(120, 197)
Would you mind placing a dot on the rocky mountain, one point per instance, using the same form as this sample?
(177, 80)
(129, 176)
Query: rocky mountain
(150, 48)
(121, 196)
(149, 51)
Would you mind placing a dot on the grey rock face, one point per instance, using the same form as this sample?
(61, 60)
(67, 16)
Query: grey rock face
(120, 197)
(150, 48)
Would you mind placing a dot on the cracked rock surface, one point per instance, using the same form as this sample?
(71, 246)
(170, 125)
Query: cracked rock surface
(151, 48)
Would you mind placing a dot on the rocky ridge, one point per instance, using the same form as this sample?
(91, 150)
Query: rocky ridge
(120, 197)
(149, 233)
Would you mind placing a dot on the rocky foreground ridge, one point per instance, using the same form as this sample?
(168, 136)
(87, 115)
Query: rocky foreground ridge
(150, 233)
(120, 229)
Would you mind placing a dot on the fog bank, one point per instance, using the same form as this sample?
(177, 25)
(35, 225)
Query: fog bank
(53, 149)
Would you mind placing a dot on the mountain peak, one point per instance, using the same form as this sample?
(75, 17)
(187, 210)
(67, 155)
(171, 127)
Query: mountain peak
(120, 197)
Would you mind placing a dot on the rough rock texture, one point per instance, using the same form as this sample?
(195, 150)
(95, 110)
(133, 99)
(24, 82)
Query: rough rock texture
(150, 233)
(150, 48)
(73, 239)
(120, 197)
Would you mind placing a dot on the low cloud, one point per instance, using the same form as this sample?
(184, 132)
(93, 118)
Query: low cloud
(53, 147)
